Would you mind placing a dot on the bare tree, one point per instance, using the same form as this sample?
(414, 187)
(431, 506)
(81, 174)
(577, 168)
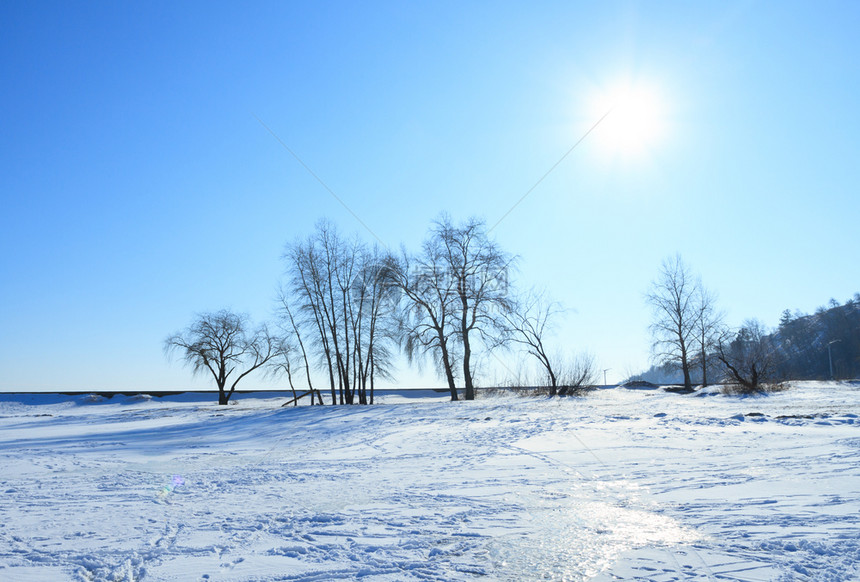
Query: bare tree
(289, 344)
(708, 324)
(223, 344)
(673, 298)
(749, 357)
(344, 264)
(338, 288)
(282, 363)
(479, 269)
(427, 307)
(528, 322)
(374, 323)
(308, 284)
(314, 267)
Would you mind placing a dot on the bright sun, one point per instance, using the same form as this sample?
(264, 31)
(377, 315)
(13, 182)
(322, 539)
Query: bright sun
(634, 122)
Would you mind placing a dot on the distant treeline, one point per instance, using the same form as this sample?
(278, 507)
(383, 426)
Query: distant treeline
(803, 347)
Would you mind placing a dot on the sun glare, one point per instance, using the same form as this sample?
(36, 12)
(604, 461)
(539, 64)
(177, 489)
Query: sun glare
(634, 121)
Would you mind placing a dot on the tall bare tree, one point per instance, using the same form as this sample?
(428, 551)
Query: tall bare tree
(673, 298)
(307, 285)
(427, 308)
(374, 299)
(479, 269)
(313, 267)
(223, 344)
(709, 321)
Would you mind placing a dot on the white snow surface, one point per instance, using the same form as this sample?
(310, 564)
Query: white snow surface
(617, 485)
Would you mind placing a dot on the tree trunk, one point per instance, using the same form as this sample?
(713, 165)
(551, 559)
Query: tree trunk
(467, 348)
(467, 372)
(449, 374)
(341, 380)
(362, 389)
(331, 378)
(371, 377)
(685, 365)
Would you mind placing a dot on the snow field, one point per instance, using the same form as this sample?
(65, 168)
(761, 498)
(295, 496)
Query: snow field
(619, 485)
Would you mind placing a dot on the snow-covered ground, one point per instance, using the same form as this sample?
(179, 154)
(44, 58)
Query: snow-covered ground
(619, 485)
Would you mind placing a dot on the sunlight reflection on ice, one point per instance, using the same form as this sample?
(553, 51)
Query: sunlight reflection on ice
(580, 542)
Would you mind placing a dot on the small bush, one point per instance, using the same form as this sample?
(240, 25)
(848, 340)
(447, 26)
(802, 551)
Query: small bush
(766, 388)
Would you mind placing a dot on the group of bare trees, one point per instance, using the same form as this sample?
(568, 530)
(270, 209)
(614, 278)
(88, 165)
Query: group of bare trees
(331, 313)
(345, 309)
(688, 330)
(456, 291)
(685, 322)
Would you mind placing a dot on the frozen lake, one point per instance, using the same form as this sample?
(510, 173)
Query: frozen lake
(618, 485)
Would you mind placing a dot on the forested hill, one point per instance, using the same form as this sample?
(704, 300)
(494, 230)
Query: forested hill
(801, 342)
(799, 347)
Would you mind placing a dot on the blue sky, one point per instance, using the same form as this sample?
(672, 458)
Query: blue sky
(140, 187)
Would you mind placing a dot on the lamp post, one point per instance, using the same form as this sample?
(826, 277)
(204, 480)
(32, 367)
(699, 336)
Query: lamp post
(830, 356)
